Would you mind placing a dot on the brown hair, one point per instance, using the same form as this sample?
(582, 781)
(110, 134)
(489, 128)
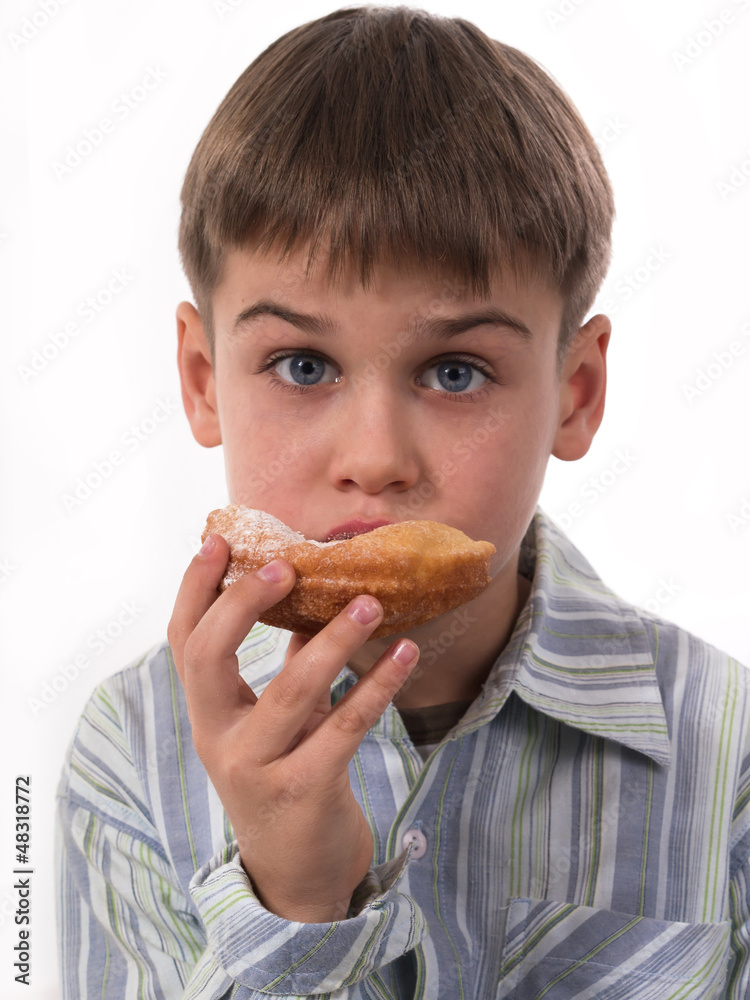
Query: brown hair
(399, 135)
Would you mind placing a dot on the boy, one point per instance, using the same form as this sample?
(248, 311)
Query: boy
(394, 227)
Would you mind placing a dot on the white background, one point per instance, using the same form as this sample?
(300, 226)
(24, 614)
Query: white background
(658, 531)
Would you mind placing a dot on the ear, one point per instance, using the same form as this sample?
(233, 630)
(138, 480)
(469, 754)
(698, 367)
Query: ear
(197, 376)
(583, 385)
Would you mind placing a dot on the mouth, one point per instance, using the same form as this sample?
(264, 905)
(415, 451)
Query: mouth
(355, 526)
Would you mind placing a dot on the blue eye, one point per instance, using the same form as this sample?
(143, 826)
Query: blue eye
(305, 369)
(453, 375)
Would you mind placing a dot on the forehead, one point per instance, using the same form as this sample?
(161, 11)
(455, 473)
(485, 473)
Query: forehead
(255, 284)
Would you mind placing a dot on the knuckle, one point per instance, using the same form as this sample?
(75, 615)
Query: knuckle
(203, 744)
(350, 719)
(233, 767)
(176, 632)
(341, 637)
(284, 791)
(381, 694)
(194, 650)
(289, 690)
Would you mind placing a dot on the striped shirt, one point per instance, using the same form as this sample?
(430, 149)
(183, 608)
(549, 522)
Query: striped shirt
(582, 831)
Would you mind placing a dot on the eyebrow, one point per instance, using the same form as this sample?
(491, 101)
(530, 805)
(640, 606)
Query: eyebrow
(440, 328)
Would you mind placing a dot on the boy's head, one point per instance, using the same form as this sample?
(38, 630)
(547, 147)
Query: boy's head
(395, 135)
(393, 227)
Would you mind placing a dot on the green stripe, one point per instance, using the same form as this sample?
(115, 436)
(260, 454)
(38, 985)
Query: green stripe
(436, 869)
(379, 986)
(304, 958)
(369, 944)
(594, 845)
(224, 904)
(531, 942)
(368, 811)
(181, 759)
(421, 981)
(590, 673)
(698, 980)
(524, 770)
(105, 974)
(587, 635)
(716, 820)
(646, 831)
(588, 957)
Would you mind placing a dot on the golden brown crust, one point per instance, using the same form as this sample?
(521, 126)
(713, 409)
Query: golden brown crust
(418, 570)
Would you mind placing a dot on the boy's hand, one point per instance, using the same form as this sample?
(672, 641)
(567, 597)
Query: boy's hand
(280, 762)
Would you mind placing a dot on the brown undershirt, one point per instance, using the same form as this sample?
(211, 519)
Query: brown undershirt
(427, 726)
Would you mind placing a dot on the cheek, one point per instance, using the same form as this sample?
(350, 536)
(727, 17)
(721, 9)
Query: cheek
(268, 464)
(506, 474)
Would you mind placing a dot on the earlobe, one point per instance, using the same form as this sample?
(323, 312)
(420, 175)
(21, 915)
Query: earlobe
(583, 387)
(197, 377)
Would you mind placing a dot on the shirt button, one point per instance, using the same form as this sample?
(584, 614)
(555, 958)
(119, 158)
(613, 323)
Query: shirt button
(417, 838)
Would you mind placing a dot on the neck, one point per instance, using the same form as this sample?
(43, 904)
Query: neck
(458, 649)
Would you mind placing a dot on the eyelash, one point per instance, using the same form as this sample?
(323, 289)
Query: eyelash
(464, 397)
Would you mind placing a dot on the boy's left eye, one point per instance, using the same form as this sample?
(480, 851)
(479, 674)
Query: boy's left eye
(453, 375)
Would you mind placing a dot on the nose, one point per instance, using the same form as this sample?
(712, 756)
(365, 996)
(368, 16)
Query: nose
(375, 447)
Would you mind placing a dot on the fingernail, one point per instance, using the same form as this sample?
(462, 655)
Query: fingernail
(273, 572)
(364, 610)
(207, 546)
(404, 653)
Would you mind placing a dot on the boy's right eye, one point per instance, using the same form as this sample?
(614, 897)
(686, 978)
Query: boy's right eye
(304, 369)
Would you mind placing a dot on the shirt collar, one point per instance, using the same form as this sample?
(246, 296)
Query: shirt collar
(578, 653)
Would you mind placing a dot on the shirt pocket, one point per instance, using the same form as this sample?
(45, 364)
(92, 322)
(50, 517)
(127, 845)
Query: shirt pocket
(561, 951)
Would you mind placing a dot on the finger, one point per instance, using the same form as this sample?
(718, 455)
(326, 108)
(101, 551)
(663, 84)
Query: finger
(338, 736)
(198, 591)
(296, 643)
(211, 671)
(306, 678)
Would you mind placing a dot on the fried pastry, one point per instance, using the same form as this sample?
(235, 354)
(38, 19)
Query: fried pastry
(418, 570)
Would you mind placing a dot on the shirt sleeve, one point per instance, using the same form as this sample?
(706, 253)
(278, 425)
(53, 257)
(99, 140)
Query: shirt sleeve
(738, 977)
(268, 954)
(127, 928)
